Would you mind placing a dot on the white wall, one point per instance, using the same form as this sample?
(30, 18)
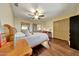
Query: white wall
(48, 25)
(17, 25)
(6, 16)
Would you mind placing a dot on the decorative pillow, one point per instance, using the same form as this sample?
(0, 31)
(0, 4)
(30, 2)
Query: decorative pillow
(27, 33)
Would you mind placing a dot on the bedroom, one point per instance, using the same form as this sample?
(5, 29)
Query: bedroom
(51, 26)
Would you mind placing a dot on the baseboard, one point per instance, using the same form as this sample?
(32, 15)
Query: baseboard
(62, 40)
(56, 38)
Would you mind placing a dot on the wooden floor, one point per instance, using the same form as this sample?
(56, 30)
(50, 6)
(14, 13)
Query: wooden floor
(57, 48)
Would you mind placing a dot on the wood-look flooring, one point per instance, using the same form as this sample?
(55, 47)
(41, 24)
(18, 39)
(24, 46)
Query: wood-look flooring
(57, 48)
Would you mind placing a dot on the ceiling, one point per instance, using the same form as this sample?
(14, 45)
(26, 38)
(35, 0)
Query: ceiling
(51, 10)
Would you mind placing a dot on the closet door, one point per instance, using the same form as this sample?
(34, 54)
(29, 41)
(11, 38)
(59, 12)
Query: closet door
(74, 32)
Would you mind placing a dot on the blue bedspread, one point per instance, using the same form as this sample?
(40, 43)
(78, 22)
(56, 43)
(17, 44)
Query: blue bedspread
(35, 39)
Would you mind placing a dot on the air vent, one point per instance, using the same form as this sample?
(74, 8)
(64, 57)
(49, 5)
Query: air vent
(16, 4)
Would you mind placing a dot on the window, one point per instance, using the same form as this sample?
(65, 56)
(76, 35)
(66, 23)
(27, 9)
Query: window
(25, 26)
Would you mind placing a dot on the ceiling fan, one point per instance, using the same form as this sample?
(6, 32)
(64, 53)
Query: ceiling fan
(35, 13)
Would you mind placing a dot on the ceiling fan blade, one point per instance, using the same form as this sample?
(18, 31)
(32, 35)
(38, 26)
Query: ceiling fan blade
(30, 15)
(33, 18)
(39, 18)
(41, 15)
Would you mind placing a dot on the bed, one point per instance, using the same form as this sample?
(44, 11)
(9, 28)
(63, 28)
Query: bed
(37, 38)
(33, 40)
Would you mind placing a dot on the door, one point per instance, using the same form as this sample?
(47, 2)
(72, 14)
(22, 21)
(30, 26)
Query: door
(74, 32)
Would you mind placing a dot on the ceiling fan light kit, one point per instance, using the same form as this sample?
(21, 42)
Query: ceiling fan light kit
(36, 17)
